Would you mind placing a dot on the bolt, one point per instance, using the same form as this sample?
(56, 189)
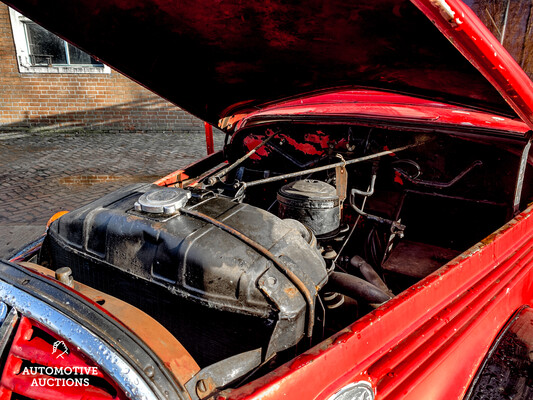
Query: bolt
(271, 281)
(149, 371)
(64, 275)
(201, 386)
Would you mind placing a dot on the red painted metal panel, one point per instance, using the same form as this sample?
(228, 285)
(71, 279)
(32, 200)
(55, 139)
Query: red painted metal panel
(209, 138)
(30, 351)
(429, 341)
(386, 106)
(473, 39)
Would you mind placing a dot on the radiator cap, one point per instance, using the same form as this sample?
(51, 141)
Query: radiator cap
(163, 201)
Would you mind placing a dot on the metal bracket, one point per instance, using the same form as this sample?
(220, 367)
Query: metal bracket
(222, 373)
(396, 227)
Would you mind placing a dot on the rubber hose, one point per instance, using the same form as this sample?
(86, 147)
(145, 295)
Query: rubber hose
(356, 288)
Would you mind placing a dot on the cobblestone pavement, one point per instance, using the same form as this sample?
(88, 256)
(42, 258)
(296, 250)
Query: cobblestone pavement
(43, 174)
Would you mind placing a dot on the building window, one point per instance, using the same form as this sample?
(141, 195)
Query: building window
(39, 50)
(45, 48)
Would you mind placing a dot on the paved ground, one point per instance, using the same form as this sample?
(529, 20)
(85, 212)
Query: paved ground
(43, 174)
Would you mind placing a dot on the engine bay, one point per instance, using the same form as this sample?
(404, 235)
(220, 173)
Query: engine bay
(301, 231)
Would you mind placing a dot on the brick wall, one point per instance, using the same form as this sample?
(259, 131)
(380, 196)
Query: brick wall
(100, 102)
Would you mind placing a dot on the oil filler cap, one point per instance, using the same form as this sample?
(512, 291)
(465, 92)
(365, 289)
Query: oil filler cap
(164, 201)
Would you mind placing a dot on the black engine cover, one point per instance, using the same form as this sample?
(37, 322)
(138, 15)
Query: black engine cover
(217, 294)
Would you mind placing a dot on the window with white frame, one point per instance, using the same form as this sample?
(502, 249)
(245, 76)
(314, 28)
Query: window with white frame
(39, 50)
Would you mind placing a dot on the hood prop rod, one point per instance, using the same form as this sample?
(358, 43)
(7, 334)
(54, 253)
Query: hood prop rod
(331, 166)
(216, 177)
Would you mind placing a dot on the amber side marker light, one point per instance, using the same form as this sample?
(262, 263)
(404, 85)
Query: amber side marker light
(57, 215)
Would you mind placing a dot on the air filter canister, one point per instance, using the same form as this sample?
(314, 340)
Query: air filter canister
(313, 203)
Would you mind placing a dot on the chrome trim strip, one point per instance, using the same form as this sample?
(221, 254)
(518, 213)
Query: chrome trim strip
(93, 347)
(3, 313)
(9, 320)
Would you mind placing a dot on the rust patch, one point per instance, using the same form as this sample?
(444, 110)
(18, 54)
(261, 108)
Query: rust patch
(446, 12)
(291, 291)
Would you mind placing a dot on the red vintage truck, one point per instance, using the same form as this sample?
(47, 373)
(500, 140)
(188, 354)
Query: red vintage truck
(364, 234)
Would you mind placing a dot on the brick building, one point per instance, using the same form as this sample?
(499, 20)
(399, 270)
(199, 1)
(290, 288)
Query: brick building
(48, 84)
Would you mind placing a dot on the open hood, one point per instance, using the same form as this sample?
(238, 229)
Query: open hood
(218, 58)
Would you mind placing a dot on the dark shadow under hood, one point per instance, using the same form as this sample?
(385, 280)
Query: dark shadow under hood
(218, 58)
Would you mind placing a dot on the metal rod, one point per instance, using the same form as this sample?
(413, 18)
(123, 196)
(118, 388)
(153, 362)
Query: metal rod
(331, 166)
(445, 196)
(213, 179)
(369, 192)
(334, 264)
(440, 185)
(199, 178)
(520, 178)
(396, 227)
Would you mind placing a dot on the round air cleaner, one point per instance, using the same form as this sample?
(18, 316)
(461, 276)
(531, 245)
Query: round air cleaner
(313, 203)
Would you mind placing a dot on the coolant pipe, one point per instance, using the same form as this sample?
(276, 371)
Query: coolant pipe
(370, 191)
(356, 288)
(370, 273)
